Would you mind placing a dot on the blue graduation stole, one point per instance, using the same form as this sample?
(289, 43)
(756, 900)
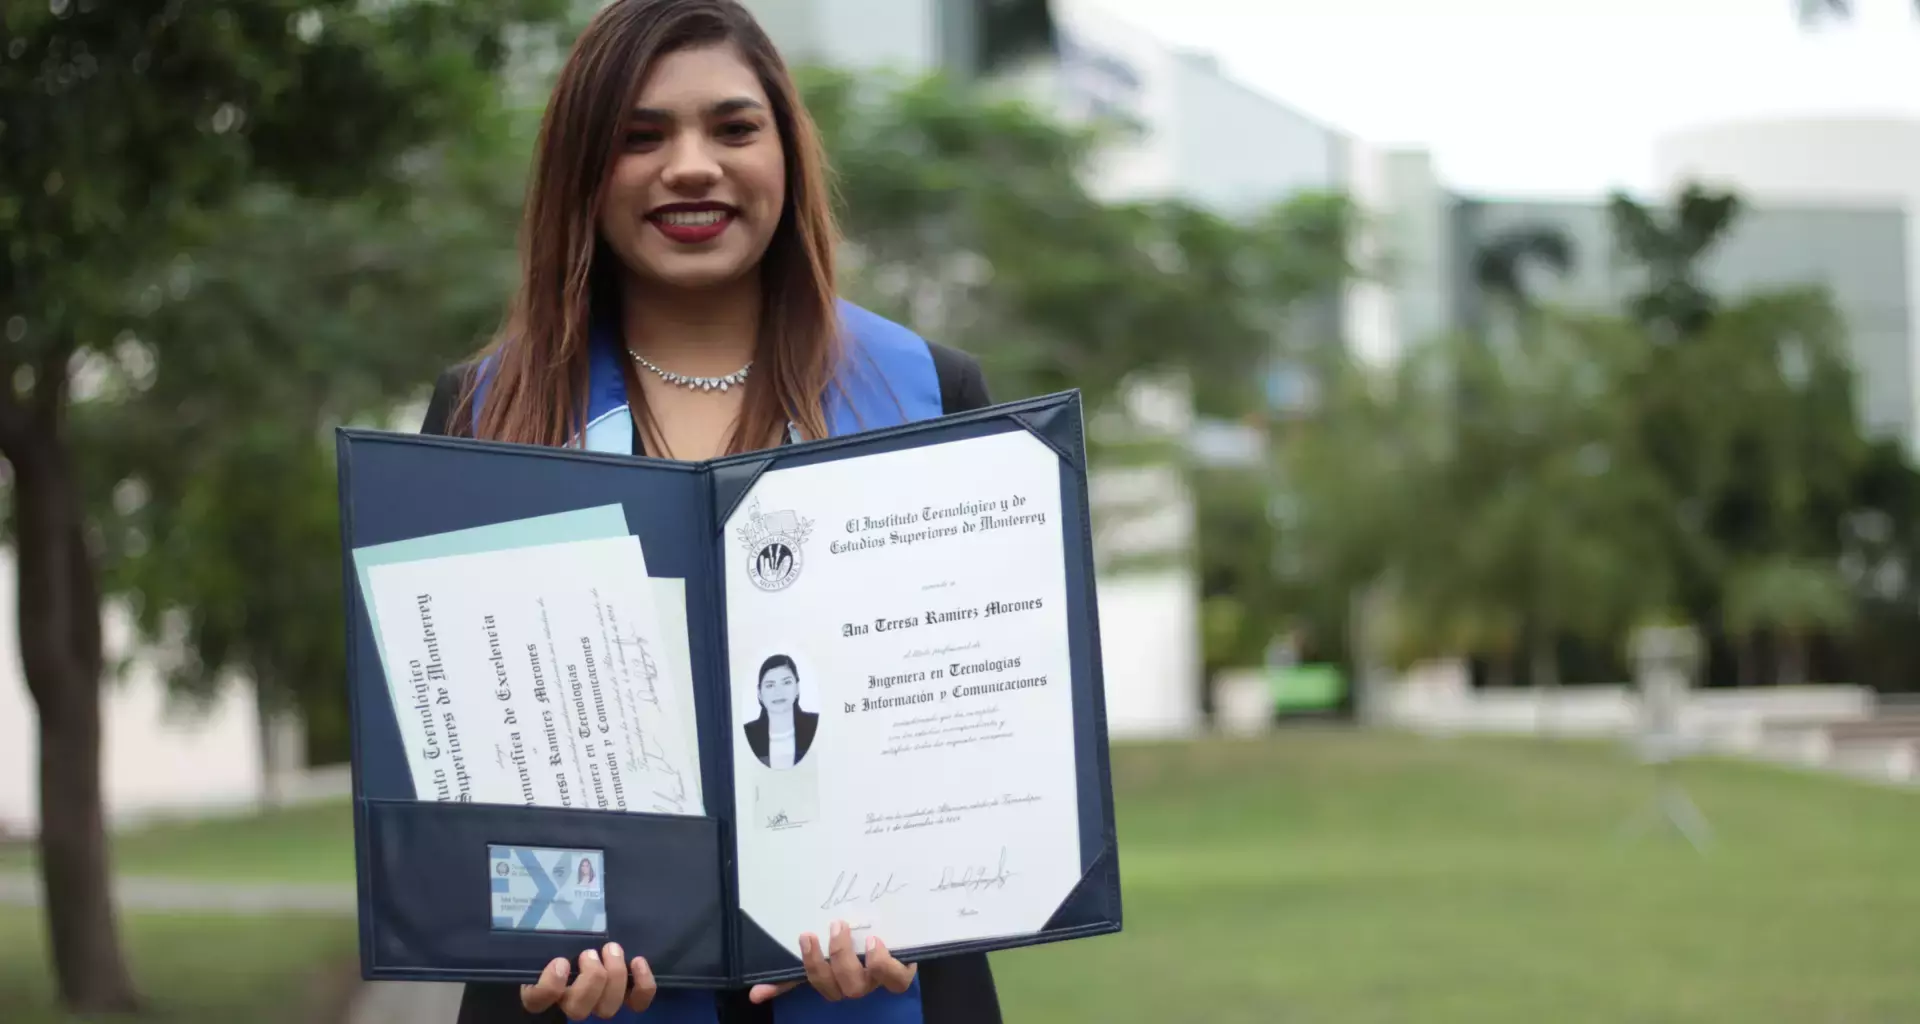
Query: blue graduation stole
(886, 377)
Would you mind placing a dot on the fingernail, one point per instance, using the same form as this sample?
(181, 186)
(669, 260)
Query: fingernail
(806, 944)
(873, 944)
(558, 964)
(590, 955)
(838, 928)
(614, 952)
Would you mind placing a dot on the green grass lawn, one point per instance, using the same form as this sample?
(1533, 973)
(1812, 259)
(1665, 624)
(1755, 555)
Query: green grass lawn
(1356, 879)
(302, 844)
(199, 970)
(1324, 876)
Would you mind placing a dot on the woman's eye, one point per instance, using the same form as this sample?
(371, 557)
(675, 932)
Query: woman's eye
(643, 137)
(738, 130)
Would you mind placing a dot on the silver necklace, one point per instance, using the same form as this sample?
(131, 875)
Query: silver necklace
(721, 383)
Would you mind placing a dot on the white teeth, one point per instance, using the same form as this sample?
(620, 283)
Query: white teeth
(693, 219)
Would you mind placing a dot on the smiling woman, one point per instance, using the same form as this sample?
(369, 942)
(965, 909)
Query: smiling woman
(677, 300)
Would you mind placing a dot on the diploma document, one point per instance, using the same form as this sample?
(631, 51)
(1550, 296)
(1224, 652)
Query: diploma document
(701, 709)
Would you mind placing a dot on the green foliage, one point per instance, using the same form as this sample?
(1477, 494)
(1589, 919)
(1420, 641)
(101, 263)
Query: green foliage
(1577, 472)
(154, 156)
(970, 216)
(216, 460)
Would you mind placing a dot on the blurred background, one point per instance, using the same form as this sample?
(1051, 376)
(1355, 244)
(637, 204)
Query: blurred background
(1503, 415)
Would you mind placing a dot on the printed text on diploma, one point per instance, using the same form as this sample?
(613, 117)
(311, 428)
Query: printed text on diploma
(435, 706)
(936, 522)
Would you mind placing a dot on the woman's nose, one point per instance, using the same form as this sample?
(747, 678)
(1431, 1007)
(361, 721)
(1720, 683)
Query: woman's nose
(691, 167)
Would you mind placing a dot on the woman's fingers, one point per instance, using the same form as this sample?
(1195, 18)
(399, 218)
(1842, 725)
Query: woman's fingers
(584, 994)
(613, 985)
(837, 973)
(644, 987)
(541, 995)
(847, 970)
(886, 971)
(763, 993)
(819, 972)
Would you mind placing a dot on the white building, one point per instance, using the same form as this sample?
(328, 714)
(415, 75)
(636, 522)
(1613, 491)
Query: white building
(1841, 197)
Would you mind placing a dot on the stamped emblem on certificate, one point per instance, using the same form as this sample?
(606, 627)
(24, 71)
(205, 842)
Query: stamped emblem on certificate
(775, 543)
(536, 889)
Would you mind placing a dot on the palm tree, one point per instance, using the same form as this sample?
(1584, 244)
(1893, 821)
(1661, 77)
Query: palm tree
(1810, 13)
(1500, 262)
(1794, 598)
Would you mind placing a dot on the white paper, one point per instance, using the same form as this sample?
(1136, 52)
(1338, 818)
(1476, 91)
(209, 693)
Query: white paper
(539, 676)
(920, 595)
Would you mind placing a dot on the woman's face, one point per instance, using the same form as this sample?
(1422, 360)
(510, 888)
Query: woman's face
(779, 688)
(700, 181)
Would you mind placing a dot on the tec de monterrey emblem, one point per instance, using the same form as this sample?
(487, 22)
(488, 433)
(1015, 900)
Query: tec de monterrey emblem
(773, 541)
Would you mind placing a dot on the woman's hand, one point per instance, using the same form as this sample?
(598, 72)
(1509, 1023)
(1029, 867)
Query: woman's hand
(600, 990)
(840, 974)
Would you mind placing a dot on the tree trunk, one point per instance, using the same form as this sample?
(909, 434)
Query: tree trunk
(1500, 670)
(1793, 661)
(1744, 656)
(1545, 665)
(60, 650)
(1543, 670)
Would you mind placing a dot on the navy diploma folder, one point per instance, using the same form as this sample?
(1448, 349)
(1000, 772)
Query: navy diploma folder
(425, 866)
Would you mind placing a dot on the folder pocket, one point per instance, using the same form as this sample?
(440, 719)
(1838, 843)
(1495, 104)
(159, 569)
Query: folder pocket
(495, 891)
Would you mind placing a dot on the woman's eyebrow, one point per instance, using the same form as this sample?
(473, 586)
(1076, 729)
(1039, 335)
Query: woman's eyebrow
(720, 108)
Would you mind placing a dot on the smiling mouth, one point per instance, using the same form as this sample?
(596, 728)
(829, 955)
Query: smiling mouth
(691, 218)
(692, 224)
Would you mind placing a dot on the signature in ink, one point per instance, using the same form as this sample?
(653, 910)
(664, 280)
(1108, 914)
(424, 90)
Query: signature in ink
(846, 889)
(975, 877)
(778, 820)
(842, 892)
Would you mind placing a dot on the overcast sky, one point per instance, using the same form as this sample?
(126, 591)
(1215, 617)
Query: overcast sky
(1545, 96)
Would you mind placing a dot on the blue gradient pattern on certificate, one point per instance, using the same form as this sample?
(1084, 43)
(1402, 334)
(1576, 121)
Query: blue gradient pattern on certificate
(537, 889)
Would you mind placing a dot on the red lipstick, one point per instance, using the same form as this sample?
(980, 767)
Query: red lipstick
(692, 223)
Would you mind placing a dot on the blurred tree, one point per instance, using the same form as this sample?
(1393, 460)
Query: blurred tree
(1507, 518)
(971, 218)
(1004, 32)
(1792, 598)
(1880, 560)
(1745, 406)
(298, 314)
(1501, 264)
(1546, 492)
(1242, 603)
(1812, 13)
(128, 127)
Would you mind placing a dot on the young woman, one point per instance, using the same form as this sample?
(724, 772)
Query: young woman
(783, 733)
(678, 300)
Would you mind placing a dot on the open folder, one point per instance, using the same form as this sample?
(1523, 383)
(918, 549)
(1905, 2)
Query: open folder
(702, 708)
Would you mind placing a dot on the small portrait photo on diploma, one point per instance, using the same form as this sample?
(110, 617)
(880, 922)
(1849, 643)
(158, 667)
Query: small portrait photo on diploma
(784, 721)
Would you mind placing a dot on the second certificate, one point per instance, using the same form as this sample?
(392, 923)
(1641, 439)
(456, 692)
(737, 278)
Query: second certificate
(903, 741)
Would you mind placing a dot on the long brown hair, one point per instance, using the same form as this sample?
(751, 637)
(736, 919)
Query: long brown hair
(537, 365)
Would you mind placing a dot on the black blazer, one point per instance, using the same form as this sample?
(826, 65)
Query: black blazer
(804, 725)
(954, 989)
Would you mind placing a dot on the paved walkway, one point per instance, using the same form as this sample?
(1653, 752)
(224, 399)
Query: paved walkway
(376, 1003)
(405, 1002)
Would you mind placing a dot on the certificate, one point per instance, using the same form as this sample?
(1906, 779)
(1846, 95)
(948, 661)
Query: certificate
(701, 709)
(900, 694)
(533, 675)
